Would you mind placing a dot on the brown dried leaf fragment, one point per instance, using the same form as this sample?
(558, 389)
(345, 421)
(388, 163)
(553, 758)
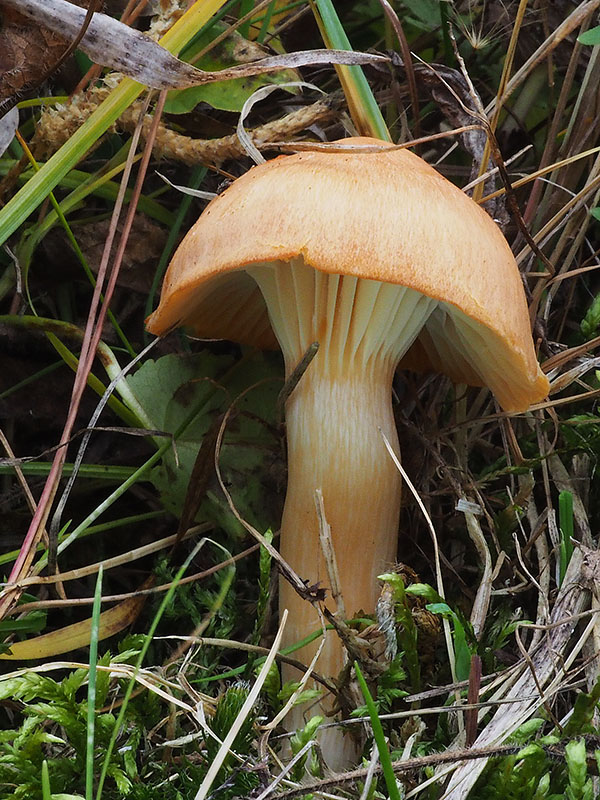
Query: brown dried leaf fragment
(111, 43)
(27, 53)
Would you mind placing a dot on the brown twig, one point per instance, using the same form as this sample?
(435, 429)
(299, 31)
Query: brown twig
(399, 767)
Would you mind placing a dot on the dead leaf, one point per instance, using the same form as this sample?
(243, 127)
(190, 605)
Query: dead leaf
(144, 246)
(72, 637)
(112, 43)
(27, 52)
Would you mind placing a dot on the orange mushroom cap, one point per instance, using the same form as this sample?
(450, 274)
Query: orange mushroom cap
(385, 216)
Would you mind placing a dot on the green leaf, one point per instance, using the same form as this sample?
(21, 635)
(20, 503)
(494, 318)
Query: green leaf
(590, 37)
(526, 731)
(426, 13)
(299, 740)
(543, 787)
(595, 212)
(590, 323)
(224, 95)
(62, 796)
(272, 684)
(581, 720)
(576, 758)
(441, 608)
(306, 734)
(169, 387)
(462, 650)
(532, 749)
(288, 689)
(424, 590)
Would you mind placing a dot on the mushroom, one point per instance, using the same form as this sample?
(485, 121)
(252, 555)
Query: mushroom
(369, 251)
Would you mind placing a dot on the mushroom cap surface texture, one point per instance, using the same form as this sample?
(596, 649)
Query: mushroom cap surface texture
(383, 216)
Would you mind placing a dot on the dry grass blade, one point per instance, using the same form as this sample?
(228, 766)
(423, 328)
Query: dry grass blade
(506, 70)
(245, 139)
(408, 65)
(576, 18)
(89, 347)
(481, 603)
(244, 711)
(8, 126)
(547, 665)
(438, 570)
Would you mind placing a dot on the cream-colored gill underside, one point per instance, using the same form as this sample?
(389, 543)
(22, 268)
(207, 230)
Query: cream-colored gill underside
(471, 353)
(371, 325)
(358, 322)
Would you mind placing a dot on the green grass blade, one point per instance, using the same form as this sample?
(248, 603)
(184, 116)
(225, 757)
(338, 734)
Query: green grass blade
(86, 183)
(379, 736)
(102, 472)
(27, 199)
(46, 791)
(140, 660)
(362, 105)
(91, 708)
(565, 521)
(49, 327)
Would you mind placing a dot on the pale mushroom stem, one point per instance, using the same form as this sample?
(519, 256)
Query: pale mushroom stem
(335, 418)
(334, 444)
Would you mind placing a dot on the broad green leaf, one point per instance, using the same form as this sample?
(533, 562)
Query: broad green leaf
(169, 387)
(426, 12)
(590, 37)
(224, 95)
